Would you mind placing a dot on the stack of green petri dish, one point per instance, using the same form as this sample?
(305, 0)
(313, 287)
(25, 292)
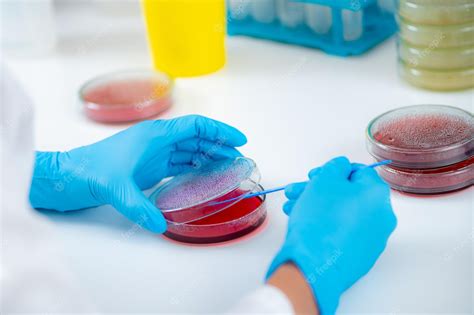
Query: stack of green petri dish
(436, 43)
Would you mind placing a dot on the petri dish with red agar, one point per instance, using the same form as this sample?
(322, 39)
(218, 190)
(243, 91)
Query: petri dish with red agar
(207, 205)
(431, 148)
(126, 96)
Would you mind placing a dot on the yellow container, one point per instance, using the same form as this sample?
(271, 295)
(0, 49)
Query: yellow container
(186, 37)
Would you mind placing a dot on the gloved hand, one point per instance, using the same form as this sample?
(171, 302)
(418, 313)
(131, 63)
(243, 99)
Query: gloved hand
(115, 170)
(339, 224)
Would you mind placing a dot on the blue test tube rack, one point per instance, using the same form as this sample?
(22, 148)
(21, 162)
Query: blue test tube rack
(376, 22)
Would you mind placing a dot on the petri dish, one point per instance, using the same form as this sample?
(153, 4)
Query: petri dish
(439, 80)
(437, 12)
(430, 181)
(445, 36)
(432, 57)
(235, 221)
(126, 96)
(194, 203)
(422, 136)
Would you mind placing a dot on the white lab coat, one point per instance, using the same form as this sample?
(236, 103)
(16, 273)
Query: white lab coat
(34, 277)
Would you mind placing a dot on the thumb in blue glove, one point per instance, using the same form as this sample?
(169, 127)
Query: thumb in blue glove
(116, 170)
(339, 224)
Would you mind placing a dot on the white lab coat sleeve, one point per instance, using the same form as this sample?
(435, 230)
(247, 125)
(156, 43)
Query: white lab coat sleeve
(265, 300)
(34, 276)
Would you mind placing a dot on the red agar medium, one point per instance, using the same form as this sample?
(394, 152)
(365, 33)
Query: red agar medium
(235, 221)
(126, 96)
(430, 181)
(422, 136)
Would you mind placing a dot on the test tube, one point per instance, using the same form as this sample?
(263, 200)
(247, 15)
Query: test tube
(290, 13)
(387, 6)
(239, 9)
(352, 24)
(263, 11)
(318, 18)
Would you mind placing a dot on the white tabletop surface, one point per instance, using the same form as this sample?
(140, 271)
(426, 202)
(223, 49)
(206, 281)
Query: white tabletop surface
(299, 107)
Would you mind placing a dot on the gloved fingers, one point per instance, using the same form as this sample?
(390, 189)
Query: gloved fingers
(129, 200)
(367, 175)
(195, 126)
(357, 166)
(189, 161)
(183, 157)
(314, 172)
(209, 148)
(337, 168)
(225, 153)
(288, 206)
(293, 191)
(179, 169)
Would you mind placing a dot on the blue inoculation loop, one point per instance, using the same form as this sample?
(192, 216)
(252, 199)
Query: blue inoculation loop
(381, 163)
(250, 195)
(273, 190)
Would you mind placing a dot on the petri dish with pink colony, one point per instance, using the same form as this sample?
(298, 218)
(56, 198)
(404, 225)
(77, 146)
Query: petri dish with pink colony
(431, 148)
(126, 96)
(196, 207)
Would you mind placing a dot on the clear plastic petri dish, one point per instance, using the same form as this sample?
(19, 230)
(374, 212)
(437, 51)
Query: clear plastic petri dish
(430, 181)
(208, 204)
(434, 58)
(235, 221)
(126, 96)
(444, 36)
(438, 80)
(422, 136)
(437, 12)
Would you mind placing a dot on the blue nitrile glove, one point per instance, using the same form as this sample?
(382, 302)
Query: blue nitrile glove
(115, 170)
(337, 228)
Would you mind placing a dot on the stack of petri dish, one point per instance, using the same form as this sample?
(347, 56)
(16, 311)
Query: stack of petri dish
(208, 205)
(436, 43)
(431, 146)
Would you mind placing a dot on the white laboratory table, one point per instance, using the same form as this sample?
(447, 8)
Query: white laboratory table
(299, 107)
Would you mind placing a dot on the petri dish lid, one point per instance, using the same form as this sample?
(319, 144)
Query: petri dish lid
(201, 186)
(126, 95)
(422, 136)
